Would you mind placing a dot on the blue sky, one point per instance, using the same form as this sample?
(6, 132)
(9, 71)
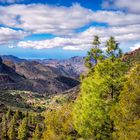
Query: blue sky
(61, 29)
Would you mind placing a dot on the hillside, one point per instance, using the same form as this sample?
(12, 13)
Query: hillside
(133, 56)
(13, 58)
(72, 67)
(8, 74)
(33, 76)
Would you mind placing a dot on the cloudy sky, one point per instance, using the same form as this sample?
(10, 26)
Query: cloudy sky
(64, 28)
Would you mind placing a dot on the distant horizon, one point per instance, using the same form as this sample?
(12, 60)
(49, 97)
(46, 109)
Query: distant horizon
(53, 57)
(45, 58)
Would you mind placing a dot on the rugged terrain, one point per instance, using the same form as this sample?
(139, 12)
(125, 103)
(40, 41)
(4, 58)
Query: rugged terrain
(24, 82)
(33, 76)
(132, 57)
(72, 67)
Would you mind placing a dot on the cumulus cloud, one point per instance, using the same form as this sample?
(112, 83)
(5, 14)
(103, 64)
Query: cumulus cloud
(39, 18)
(60, 20)
(122, 33)
(9, 36)
(66, 43)
(63, 22)
(83, 40)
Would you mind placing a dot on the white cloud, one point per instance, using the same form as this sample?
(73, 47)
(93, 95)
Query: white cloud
(63, 21)
(39, 18)
(136, 46)
(9, 36)
(66, 43)
(129, 5)
(83, 40)
(122, 33)
(71, 48)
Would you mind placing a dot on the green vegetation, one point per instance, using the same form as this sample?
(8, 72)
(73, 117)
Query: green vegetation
(99, 91)
(95, 54)
(23, 130)
(12, 129)
(106, 108)
(126, 114)
(4, 127)
(58, 123)
(36, 134)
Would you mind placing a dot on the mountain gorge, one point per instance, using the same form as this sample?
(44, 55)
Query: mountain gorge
(42, 76)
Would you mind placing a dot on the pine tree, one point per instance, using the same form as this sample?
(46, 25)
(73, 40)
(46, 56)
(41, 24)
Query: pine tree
(59, 123)
(12, 129)
(8, 114)
(17, 115)
(37, 133)
(126, 114)
(4, 127)
(113, 50)
(99, 91)
(33, 118)
(23, 130)
(95, 54)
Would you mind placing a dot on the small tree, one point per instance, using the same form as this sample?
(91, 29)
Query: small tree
(8, 114)
(59, 123)
(4, 127)
(95, 54)
(17, 115)
(113, 51)
(36, 134)
(12, 129)
(23, 130)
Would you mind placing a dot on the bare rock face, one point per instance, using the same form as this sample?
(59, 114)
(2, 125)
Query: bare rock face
(10, 64)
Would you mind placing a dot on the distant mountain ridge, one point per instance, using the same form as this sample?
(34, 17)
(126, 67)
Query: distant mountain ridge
(72, 67)
(12, 58)
(33, 76)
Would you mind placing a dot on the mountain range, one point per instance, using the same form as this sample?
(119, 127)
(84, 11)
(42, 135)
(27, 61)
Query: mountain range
(42, 76)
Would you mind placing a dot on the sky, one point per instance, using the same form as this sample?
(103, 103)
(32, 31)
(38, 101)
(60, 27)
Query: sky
(60, 29)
